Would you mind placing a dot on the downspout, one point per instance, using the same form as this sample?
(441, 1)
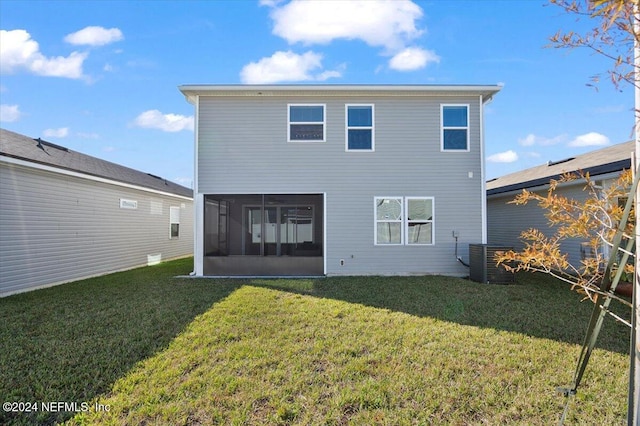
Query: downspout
(198, 200)
(483, 183)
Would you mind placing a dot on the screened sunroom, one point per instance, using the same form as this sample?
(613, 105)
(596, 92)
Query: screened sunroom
(263, 234)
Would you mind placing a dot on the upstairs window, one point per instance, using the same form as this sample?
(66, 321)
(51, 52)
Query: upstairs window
(359, 132)
(306, 123)
(455, 127)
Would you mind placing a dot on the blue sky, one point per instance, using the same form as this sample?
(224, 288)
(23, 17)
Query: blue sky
(101, 77)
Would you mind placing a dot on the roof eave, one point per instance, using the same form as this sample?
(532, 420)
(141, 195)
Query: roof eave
(593, 171)
(191, 92)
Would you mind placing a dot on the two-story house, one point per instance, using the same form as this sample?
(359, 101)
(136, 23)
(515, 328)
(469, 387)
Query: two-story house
(337, 180)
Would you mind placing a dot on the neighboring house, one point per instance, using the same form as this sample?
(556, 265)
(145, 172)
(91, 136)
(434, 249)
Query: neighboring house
(66, 216)
(337, 180)
(506, 222)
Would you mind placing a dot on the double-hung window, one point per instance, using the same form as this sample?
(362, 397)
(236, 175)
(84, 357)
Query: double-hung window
(389, 218)
(306, 123)
(419, 226)
(404, 220)
(174, 222)
(360, 134)
(455, 127)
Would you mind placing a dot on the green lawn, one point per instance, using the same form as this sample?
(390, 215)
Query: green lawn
(156, 349)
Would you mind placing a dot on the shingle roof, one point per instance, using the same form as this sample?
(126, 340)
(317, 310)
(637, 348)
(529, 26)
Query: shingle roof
(605, 160)
(25, 148)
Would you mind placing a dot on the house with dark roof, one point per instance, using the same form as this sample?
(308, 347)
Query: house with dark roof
(65, 216)
(505, 222)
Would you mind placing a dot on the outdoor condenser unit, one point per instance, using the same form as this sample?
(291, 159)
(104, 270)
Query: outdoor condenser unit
(482, 265)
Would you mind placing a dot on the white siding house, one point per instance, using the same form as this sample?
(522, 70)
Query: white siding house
(66, 216)
(337, 180)
(505, 222)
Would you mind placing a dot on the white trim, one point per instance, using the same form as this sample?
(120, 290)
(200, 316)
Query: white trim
(376, 220)
(324, 123)
(196, 144)
(432, 221)
(192, 91)
(198, 237)
(128, 204)
(324, 233)
(442, 128)
(483, 183)
(198, 201)
(80, 175)
(404, 220)
(372, 127)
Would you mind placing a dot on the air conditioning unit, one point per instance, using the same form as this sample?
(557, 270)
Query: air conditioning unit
(482, 265)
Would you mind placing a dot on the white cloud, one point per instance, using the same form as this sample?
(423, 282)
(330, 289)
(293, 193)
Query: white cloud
(88, 135)
(590, 139)
(503, 157)
(154, 119)
(286, 66)
(326, 75)
(94, 36)
(19, 51)
(386, 23)
(610, 109)
(532, 139)
(9, 113)
(270, 3)
(389, 24)
(62, 132)
(529, 140)
(413, 58)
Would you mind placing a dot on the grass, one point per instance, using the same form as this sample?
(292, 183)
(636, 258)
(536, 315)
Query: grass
(358, 350)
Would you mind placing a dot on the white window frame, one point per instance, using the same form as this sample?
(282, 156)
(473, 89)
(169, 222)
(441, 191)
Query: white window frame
(409, 220)
(376, 221)
(174, 219)
(404, 220)
(347, 128)
(443, 128)
(324, 123)
(126, 203)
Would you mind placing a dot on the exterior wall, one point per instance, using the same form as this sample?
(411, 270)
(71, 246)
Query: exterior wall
(242, 148)
(57, 228)
(505, 222)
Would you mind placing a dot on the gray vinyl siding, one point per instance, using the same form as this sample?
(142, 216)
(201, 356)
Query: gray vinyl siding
(506, 222)
(243, 148)
(57, 228)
